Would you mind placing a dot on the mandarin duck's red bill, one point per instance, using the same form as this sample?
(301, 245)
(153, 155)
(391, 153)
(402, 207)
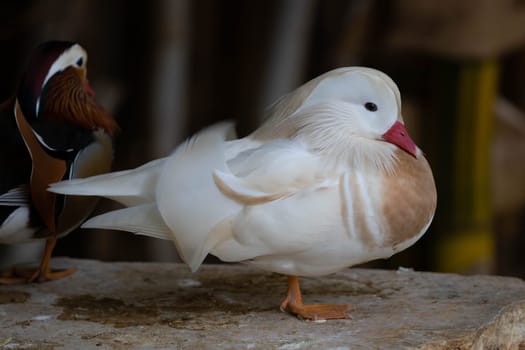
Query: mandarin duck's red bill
(330, 180)
(53, 130)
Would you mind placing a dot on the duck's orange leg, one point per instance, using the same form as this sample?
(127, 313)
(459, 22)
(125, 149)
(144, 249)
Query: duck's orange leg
(293, 303)
(42, 274)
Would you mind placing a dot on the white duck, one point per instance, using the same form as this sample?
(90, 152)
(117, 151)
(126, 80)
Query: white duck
(331, 179)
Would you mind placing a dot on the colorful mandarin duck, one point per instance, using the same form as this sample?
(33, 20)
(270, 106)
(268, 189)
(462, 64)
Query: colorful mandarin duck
(330, 180)
(55, 130)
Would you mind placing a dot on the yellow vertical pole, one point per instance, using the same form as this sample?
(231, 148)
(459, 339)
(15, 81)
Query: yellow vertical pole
(468, 245)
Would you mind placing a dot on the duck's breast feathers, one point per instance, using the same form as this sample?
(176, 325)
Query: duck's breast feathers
(410, 198)
(60, 139)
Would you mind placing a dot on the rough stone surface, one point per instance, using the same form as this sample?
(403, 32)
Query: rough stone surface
(164, 306)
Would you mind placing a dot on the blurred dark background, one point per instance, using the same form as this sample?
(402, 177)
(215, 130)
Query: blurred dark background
(167, 68)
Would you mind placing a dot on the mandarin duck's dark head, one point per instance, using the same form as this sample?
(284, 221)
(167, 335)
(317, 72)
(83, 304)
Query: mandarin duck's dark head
(55, 87)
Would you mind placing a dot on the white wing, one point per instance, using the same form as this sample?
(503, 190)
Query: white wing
(203, 196)
(288, 225)
(278, 167)
(187, 197)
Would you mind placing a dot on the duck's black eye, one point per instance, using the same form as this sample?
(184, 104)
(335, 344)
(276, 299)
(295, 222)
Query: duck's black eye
(371, 106)
(80, 61)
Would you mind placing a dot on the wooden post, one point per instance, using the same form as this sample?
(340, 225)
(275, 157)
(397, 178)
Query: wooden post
(467, 243)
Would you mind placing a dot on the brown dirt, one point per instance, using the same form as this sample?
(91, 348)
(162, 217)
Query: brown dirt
(13, 297)
(106, 311)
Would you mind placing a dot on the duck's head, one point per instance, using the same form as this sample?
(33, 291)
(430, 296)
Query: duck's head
(350, 112)
(55, 87)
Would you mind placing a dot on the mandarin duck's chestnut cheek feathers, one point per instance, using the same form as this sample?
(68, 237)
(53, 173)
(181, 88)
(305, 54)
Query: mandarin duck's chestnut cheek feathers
(65, 99)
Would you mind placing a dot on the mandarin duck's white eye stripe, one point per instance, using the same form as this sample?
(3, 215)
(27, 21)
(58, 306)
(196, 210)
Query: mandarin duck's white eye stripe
(68, 58)
(330, 180)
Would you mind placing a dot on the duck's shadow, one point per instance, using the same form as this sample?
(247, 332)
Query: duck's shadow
(170, 296)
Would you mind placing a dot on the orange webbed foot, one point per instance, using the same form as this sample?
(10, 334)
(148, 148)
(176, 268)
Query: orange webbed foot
(49, 275)
(293, 304)
(316, 312)
(19, 275)
(42, 274)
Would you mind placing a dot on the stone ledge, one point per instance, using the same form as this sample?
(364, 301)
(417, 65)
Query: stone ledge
(164, 306)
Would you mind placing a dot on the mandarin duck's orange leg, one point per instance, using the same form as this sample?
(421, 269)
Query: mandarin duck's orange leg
(293, 303)
(42, 274)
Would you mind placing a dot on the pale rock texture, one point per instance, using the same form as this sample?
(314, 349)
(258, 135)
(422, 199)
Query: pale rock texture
(164, 306)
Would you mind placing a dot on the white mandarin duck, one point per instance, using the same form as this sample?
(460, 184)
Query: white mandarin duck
(330, 180)
(56, 131)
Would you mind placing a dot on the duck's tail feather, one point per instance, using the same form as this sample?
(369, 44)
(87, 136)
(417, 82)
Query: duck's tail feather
(129, 187)
(141, 220)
